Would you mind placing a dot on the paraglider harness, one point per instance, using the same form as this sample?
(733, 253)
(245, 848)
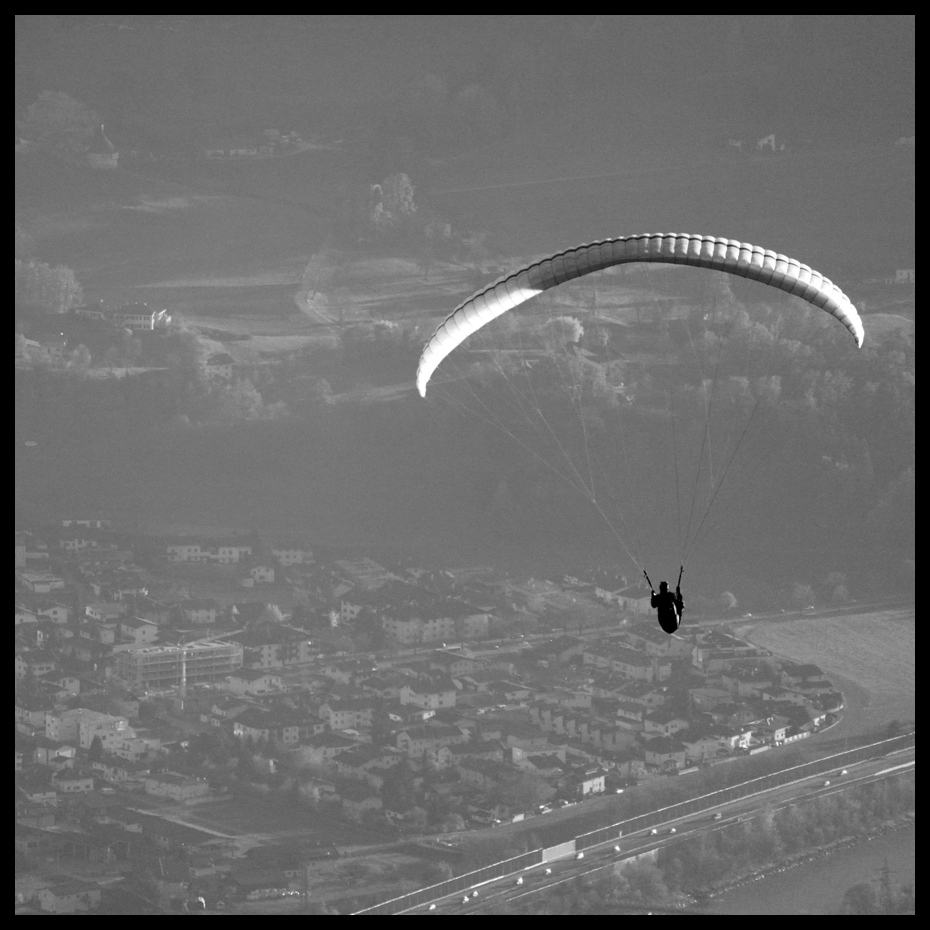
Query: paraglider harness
(670, 606)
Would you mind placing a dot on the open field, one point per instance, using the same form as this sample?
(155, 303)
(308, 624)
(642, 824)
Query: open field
(608, 191)
(363, 867)
(129, 230)
(268, 821)
(225, 298)
(239, 247)
(127, 233)
(870, 657)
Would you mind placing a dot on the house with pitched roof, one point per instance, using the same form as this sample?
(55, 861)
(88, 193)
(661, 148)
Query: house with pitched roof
(418, 741)
(69, 897)
(254, 681)
(358, 798)
(665, 754)
(369, 763)
(434, 695)
(661, 722)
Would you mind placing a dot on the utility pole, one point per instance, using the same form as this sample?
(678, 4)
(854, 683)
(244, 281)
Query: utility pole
(182, 691)
(886, 894)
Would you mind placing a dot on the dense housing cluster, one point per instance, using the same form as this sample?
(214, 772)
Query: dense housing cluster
(398, 697)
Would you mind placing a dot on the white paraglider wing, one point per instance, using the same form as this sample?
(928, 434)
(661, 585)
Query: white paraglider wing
(728, 255)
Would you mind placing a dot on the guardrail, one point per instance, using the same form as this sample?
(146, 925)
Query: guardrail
(648, 821)
(744, 790)
(486, 873)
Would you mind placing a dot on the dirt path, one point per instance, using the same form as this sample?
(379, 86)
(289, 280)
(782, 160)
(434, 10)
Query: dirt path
(312, 281)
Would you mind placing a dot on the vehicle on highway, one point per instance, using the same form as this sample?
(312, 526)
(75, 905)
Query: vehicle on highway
(653, 832)
(844, 772)
(579, 855)
(826, 783)
(673, 829)
(717, 816)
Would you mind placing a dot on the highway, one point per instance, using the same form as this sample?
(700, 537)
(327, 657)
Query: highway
(513, 889)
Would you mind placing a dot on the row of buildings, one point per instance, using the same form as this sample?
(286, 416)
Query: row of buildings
(417, 735)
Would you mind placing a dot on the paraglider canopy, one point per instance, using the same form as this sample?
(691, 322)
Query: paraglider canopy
(727, 255)
(605, 408)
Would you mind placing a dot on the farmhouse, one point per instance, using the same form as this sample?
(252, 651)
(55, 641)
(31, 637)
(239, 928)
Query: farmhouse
(69, 897)
(140, 318)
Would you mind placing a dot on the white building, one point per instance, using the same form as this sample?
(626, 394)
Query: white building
(81, 725)
(40, 582)
(140, 318)
(224, 552)
(289, 554)
(415, 630)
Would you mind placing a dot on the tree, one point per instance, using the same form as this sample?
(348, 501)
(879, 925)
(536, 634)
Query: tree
(95, 752)
(528, 790)
(834, 579)
(381, 728)
(272, 614)
(243, 401)
(439, 871)
(39, 285)
(473, 250)
(393, 203)
(646, 882)
(61, 122)
(80, 358)
(321, 392)
(860, 900)
(454, 823)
